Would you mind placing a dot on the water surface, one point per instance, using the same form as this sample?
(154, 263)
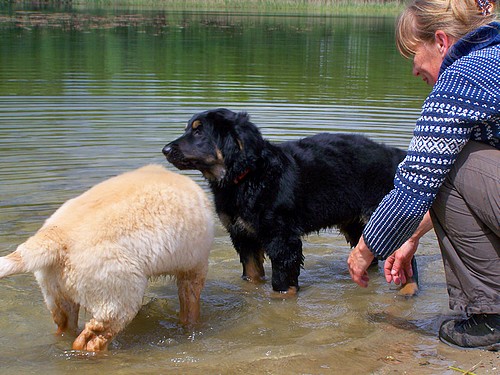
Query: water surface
(86, 96)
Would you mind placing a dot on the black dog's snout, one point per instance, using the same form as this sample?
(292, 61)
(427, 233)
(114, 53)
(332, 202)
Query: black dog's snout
(167, 150)
(170, 149)
(173, 153)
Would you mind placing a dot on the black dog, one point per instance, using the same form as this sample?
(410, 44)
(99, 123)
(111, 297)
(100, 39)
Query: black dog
(269, 195)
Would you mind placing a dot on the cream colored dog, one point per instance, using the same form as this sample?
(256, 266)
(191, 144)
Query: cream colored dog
(99, 249)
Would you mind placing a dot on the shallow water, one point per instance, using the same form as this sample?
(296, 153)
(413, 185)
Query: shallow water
(78, 105)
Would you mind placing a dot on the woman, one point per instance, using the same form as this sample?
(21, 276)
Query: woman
(450, 179)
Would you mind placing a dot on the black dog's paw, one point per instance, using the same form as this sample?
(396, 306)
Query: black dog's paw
(287, 294)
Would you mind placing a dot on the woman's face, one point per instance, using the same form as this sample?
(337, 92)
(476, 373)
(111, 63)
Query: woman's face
(430, 55)
(427, 62)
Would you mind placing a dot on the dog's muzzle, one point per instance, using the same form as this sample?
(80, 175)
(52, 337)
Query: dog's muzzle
(172, 153)
(167, 150)
(176, 157)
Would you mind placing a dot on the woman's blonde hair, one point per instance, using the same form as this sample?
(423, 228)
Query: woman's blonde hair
(422, 18)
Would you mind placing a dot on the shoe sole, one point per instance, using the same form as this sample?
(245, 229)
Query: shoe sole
(491, 348)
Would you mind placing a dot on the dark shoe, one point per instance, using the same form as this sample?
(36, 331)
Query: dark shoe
(480, 331)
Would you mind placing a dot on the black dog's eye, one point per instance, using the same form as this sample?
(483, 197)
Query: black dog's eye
(196, 127)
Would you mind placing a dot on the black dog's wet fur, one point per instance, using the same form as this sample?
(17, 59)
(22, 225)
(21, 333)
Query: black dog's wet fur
(268, 195)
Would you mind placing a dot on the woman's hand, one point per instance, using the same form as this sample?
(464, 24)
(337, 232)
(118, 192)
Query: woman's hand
(397, 267)
(359, 260)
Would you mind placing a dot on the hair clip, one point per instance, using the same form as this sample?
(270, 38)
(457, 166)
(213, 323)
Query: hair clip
(485, 6)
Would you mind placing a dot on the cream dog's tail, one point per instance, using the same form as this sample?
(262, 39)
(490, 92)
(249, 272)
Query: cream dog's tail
(11, 264)
(39, 251)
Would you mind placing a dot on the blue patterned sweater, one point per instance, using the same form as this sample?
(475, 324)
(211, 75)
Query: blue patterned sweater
(464, 105)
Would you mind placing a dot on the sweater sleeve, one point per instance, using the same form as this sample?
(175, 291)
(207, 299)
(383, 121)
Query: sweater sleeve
(456, 107)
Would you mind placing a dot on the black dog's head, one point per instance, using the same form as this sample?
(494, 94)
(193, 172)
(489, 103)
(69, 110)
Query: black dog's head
(222, 144)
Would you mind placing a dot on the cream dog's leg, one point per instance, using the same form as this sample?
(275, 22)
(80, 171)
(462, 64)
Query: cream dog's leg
(65, 315)
(95, 337)
(190, 285)
(63, 309)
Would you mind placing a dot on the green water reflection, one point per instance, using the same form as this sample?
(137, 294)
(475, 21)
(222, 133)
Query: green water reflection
(222, 57)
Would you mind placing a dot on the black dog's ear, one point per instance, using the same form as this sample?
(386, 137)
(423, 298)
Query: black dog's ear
(235, 123)
(239, 140)
(239, 126)
(248, 135)
(222, 117)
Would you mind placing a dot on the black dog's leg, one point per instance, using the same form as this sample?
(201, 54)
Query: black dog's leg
(415, 269)
(251, 257)
(253, 266)
(411, 287)
(286, 259)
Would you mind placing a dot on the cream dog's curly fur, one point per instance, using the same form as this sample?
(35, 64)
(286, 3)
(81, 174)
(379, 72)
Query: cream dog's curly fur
(98, 250)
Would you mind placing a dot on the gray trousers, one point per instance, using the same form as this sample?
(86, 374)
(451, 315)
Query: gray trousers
(466, 218)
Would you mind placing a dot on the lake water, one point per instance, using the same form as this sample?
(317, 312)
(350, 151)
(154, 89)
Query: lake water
(85, 96)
